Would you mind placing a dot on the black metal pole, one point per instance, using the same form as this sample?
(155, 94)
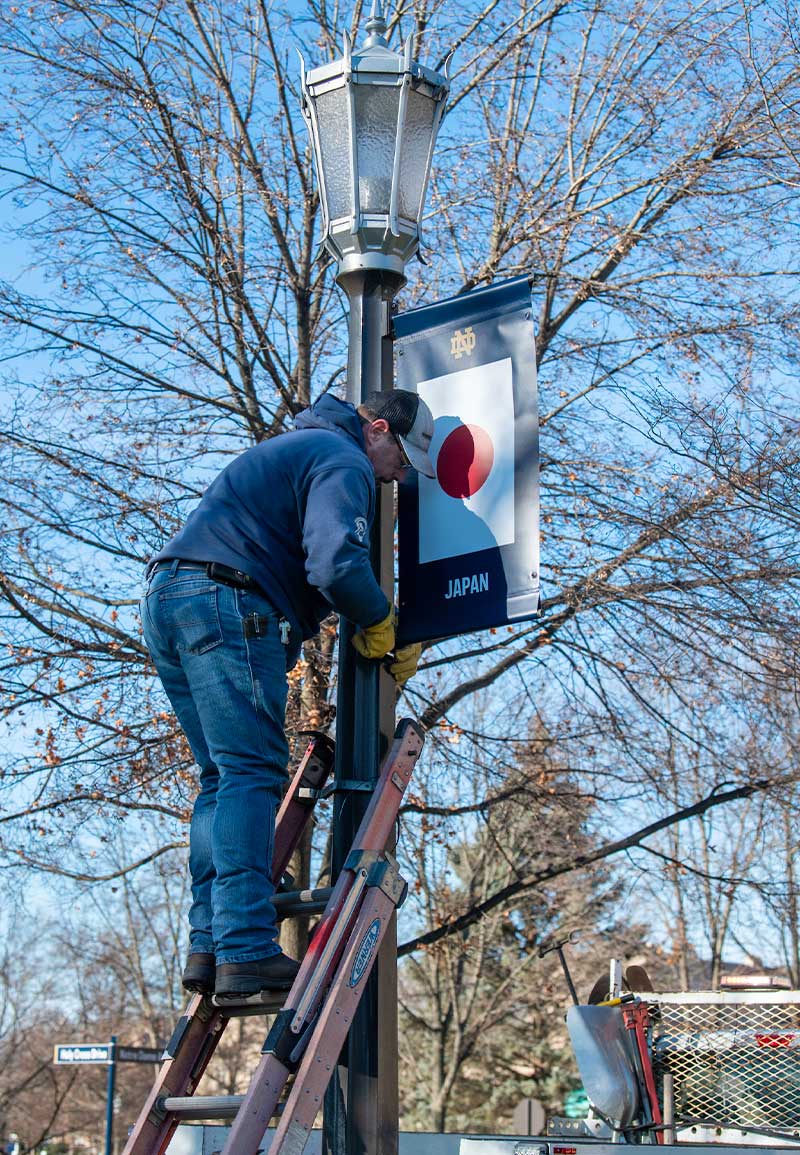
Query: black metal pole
(110, 1087)
(361, 1105)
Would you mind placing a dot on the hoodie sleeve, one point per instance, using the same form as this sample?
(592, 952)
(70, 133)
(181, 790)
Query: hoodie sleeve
(339, 509)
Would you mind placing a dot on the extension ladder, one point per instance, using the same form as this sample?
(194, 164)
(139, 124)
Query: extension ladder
(313, 1019)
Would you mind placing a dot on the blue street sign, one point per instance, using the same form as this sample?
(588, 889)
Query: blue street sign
(82, 1053)
(469, 538)
(140, 1054)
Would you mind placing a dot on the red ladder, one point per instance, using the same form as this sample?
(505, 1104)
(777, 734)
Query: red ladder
(310, 1029)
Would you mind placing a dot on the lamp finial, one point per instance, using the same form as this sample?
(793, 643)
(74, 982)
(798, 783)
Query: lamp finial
(376, 25)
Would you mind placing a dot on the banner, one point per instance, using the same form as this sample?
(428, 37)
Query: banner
(469, 538)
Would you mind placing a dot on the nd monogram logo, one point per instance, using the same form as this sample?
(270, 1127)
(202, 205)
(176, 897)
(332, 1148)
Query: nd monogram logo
(461, 343)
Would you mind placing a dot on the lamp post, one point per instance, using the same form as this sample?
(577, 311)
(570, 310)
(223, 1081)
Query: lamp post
(373, 116)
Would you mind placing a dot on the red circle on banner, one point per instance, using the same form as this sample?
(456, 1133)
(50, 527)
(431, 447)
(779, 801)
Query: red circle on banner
(465, 460)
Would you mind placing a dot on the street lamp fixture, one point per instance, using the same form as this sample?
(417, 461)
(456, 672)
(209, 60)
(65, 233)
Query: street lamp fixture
(373, 117)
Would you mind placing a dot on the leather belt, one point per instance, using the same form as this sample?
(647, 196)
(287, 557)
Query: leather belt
(224, 574)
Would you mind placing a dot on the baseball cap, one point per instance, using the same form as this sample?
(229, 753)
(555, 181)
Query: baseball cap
(410, 419)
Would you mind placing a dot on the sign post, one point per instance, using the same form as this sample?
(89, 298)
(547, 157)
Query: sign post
(112, 1074)
(469, 538)
(108, 1054)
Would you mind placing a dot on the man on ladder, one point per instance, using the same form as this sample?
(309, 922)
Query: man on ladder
(279, 539)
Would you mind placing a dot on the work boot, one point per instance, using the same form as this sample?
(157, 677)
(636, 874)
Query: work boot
(276, 973)
(198, 974)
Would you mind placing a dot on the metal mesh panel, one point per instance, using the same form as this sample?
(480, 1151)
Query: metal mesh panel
(734, 1062)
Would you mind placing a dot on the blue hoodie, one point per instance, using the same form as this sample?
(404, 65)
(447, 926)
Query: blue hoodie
(294, 513)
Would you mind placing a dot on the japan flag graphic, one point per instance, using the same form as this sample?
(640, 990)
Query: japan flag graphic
(469, 505)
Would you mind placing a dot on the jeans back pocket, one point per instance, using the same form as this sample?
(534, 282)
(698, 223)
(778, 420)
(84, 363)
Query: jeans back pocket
(190, 616)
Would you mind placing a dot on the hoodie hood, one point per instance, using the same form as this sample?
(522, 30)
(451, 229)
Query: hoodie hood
(334, 415)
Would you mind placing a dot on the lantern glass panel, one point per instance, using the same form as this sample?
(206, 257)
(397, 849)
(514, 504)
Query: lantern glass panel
(416, 143)
(376, 131)
(333, 118)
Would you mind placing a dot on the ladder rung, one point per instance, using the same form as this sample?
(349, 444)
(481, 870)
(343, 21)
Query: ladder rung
(292, 902)
(203, 1106)
(263, 1003)
(206, 1106)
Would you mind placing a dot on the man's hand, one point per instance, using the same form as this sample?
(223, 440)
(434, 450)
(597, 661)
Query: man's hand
(376, 641)
(405, 663)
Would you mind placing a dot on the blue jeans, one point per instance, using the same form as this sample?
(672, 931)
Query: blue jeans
(229, 693)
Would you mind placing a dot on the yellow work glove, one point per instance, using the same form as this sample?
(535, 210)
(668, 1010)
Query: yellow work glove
(376, 641)
(405, 663)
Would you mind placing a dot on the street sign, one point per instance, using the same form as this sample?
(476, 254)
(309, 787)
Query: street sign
(82, 1053)
(139, 1054)
(107, 1054)
(469, 538)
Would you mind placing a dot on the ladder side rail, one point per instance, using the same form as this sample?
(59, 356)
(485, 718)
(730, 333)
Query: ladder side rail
(186, 1057)
(324, 929)
(330, 1030)
(398, 766)
(298, 801)
(257, 1109)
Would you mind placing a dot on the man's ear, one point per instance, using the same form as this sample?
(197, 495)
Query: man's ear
(374, 428)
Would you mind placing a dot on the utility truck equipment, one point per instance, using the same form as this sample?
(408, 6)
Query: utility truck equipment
(677, 1069)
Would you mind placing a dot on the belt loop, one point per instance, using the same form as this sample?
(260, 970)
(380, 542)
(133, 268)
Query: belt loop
(174, 567)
